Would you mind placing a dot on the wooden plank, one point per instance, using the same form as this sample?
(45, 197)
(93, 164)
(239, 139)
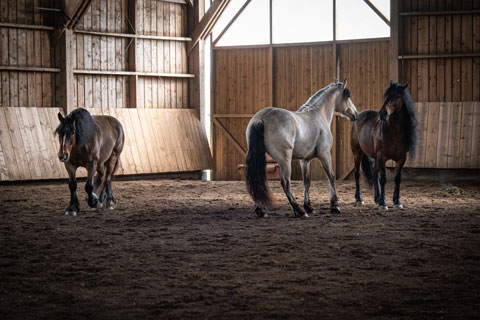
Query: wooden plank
(17, 143)
(475, 156)
(442, 137)
(26, 26)
(148, 138)
(50, 142)
(465, 148)
(127, 158)
(142, 142)
(7, 143)
(422, 112)
(454, 135)
(432, 135)
(40, 147)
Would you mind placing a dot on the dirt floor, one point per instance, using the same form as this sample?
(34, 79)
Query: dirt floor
(192, 249)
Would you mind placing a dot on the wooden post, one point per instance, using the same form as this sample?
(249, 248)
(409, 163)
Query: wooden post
(394, 73)
(64, 59)
(132, 56)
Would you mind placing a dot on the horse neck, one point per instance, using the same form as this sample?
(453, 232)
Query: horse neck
(325, 105)
(86, 132)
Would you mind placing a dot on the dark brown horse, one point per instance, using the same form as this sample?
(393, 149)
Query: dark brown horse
(95, 143)
(378, 136)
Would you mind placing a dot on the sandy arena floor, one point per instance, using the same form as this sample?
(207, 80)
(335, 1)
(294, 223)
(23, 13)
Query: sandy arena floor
(192, 249)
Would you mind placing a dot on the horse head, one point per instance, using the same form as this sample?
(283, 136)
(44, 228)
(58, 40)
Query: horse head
(393, 100)
(66, 136)
(344, 104)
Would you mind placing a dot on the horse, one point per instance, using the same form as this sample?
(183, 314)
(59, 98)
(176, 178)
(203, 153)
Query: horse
(378, 136)
(95, 143)
(304, 135)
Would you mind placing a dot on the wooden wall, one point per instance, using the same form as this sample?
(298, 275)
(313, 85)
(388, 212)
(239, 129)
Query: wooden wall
(123, 57)
(26, 64)
(247, 80)
(438, 40)
(439, 49)
(160, 48)
(28, 148)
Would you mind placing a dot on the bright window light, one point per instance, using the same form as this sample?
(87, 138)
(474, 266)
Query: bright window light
(356, 20)
(232, 8)
(251, 27)
(303, 21)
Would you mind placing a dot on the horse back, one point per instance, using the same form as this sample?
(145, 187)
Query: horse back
(111, 131)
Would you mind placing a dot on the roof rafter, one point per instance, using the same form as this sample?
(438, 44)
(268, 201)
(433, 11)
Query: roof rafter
(205, 26)
(378, 12)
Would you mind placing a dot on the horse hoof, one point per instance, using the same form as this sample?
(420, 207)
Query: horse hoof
(398, 206)
(335, 210)
(300, 214)
(359, 203)
(93, 201)
(260, 213)
(383, 207)
(71, 213)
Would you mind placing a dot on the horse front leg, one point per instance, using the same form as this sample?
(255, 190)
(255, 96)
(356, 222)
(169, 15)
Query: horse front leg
(305, 165)
(74, 206)
(326, 160)
(382, 205)
(286, 170)
(398, 180)
(92, 197)
(358, 194)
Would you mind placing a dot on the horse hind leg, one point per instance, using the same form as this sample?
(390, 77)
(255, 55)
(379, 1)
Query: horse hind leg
(326, 160)
(286, 172)
(111, 167)
(305, 165)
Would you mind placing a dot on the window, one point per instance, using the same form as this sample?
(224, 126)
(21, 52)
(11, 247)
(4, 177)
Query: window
(306, 21)
(356, 20)
(300, 21)
(251, 27)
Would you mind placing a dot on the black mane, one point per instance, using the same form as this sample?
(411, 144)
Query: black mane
(409, 116)
(85, 127)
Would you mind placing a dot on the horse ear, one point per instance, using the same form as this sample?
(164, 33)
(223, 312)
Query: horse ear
(391, 82)
(345, 83)
(405, 86)
(60, 117)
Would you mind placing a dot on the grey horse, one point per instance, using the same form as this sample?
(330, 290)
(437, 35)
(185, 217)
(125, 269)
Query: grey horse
(304, 134)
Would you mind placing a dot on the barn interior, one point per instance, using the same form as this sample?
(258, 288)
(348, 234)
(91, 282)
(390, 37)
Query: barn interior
(184, 77)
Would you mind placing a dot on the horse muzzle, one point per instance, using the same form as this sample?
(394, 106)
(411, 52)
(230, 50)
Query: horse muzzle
(63, 157)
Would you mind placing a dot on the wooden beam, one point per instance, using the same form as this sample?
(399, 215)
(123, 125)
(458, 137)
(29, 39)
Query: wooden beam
(395, 37)
(130, 35)
(233, 115)
(435, 56)
(134, 73)
(346, 174)
(378, 12)
(208, 21)
(64, 80)
(29, 69)
(132, 53)
(26, 26)
(75, 10)
(229, 136)
(239, 12)
(438, 13)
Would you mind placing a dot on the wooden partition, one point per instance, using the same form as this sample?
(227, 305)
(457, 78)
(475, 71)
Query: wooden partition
(156, 141)
(249, 79)
(125, 58)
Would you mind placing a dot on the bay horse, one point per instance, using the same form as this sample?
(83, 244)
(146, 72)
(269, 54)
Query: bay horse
(95, 143)
(304, 135)
(378, 136)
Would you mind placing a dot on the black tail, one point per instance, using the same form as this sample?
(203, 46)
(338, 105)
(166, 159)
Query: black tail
(256, 175)
(367, 168)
